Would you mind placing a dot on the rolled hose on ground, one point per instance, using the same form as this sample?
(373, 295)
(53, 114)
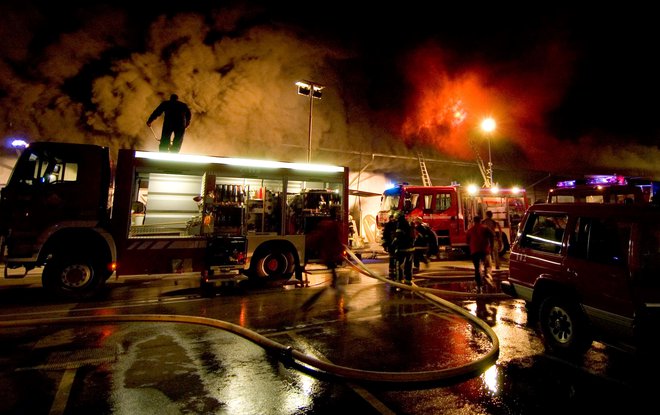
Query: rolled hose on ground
(291, 355)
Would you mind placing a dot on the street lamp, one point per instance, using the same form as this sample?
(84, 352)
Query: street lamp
(488, 126)
(313, 90)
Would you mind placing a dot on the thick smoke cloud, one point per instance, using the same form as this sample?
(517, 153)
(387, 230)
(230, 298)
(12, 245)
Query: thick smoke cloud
(239, 84)
(97, 77)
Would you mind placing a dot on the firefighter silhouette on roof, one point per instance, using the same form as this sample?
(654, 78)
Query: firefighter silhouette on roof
(176, 120)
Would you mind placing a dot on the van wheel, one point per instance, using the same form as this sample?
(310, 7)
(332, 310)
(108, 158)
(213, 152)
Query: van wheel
(564, 327)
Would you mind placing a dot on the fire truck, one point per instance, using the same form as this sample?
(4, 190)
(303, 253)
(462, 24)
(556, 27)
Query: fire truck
(449, 209)
(70, 209)
(604, 189)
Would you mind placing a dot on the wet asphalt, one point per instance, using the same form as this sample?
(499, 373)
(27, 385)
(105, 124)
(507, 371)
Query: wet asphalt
(162, 345)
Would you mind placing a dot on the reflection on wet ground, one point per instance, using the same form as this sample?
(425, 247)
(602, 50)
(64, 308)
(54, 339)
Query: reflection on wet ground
(365, 324)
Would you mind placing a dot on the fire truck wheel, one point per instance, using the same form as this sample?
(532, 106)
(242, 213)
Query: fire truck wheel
(291, 264)
(72, 277)
(273, 265)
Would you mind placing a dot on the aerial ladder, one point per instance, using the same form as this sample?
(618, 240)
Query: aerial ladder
(485, 172)
(426, 180)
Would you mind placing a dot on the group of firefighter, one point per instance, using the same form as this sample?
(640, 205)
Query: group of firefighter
(408, 245)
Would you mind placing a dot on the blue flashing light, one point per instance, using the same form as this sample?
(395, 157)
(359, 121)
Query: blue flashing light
(602, 179)
(606, 179)
(566, 183)
(19, 143)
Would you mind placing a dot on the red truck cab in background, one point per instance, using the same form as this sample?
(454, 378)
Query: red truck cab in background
(449, 209)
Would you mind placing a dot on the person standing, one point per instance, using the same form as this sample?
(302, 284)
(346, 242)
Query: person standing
(404, 249)
(326, 239)
(426, 243)
(176, 120)
(493, 225)
(388, 236)
(480, 241)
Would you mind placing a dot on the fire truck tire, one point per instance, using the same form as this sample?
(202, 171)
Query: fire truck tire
(73, 277)
(273, 264)
(291, 264)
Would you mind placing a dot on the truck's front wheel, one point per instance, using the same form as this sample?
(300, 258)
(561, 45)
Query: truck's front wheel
(564, 327)
(73, 277)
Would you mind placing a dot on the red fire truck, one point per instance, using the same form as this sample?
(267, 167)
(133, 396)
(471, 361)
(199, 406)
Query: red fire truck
(449, 209)
(163, 213)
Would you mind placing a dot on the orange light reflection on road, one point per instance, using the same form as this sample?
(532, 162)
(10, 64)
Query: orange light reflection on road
(242, 317)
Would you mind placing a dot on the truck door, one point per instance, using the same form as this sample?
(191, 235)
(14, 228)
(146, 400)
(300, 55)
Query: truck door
(443, 217)
(646, 277)
(539, 251)
(597, 261)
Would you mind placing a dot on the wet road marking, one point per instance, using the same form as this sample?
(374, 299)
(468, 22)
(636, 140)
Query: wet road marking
(359, 390)
(63, 390)
(68, 308)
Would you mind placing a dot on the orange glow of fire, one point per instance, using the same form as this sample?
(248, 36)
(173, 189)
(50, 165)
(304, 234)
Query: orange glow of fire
(448, 100)
(446, 108)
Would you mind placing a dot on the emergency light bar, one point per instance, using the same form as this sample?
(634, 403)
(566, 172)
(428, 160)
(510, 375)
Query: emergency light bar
(595, 179)
(566, 183)
(267, 164)
(606, 179)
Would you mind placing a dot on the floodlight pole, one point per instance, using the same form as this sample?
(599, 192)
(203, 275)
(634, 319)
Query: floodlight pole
(309, 138)
(312, 89)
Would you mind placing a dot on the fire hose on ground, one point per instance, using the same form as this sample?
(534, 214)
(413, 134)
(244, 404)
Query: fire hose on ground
(293, 357)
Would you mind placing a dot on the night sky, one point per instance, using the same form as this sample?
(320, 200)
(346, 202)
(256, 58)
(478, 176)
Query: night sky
(572, 90)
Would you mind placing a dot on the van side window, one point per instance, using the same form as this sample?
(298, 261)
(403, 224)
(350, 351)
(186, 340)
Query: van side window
(544, 232)
(601, 240)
